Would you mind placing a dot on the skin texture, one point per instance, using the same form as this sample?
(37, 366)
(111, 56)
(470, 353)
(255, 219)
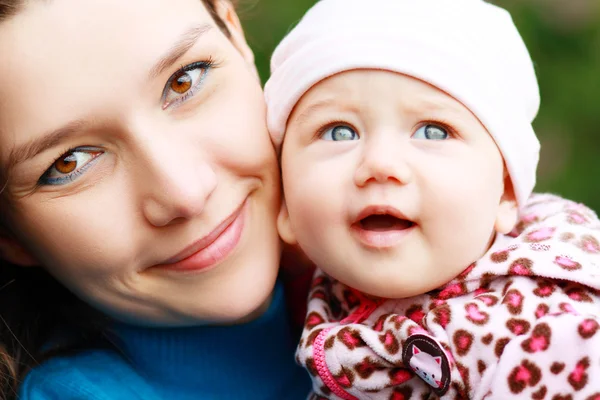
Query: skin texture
(455, 190)
(154, 170)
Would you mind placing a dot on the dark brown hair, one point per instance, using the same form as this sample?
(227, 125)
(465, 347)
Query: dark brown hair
(35, 309)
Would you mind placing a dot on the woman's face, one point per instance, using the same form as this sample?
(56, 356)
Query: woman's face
(141, 174)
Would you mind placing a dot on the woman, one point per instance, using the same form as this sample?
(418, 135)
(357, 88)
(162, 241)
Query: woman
(139, 176)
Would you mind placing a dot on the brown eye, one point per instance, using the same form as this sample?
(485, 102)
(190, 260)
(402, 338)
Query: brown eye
(66, 164)
(182, 83)
(70, 165)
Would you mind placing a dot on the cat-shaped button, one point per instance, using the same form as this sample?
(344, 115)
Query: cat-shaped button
(426, 358)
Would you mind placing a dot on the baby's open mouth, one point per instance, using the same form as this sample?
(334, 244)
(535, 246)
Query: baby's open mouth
(382, 226)
(383, 223)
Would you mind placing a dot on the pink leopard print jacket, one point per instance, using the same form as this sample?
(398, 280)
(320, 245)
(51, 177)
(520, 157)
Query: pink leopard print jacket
(522, 322)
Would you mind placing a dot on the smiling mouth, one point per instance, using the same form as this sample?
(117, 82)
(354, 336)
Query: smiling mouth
(212, 249)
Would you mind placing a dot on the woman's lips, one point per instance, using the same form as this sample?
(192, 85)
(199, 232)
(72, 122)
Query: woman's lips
(212, 248)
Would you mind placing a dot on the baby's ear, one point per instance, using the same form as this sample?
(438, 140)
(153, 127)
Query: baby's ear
(284, 226)
(13, 252)
(508, 211)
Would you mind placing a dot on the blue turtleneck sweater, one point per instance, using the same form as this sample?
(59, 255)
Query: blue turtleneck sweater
(248, 361)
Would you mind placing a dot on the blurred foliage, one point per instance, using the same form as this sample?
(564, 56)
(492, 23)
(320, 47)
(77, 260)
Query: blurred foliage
(563, 37)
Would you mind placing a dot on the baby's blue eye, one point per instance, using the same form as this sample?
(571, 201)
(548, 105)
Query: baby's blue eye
(339, 133)
(431, 132)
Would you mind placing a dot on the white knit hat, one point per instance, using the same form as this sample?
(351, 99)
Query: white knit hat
(467, 48)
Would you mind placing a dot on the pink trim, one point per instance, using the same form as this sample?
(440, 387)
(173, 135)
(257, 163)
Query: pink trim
(365, 309)
(321, 365)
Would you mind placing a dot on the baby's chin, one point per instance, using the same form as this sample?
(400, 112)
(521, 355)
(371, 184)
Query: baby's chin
(398, 285)
(401, 290)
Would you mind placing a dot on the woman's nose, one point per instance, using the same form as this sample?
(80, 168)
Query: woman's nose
(383, 161)
(177, 185)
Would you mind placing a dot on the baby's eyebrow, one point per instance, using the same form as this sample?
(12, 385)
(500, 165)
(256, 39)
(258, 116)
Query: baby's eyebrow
(50, 139)
(436, 104)
(313, 108)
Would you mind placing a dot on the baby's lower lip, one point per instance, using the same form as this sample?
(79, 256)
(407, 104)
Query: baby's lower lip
(381, 238)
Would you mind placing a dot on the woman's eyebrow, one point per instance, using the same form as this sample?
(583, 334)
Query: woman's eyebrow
(48, 140)
(178, 49)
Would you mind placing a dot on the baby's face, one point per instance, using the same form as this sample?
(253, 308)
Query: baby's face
(392, 186)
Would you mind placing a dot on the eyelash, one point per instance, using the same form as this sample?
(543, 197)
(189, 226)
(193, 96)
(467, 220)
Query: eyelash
(330, 125)
(44, 180)
(444, 124)
(205, 65)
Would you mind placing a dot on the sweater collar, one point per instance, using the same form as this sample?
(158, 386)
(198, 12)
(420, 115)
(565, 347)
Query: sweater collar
(252, 355)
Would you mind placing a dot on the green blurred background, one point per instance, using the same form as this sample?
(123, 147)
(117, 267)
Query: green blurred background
(563, 37)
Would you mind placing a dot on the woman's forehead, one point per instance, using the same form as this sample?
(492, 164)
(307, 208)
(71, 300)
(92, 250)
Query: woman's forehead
(83, 29)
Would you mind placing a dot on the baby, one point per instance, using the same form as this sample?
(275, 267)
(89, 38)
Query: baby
(408, 167)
